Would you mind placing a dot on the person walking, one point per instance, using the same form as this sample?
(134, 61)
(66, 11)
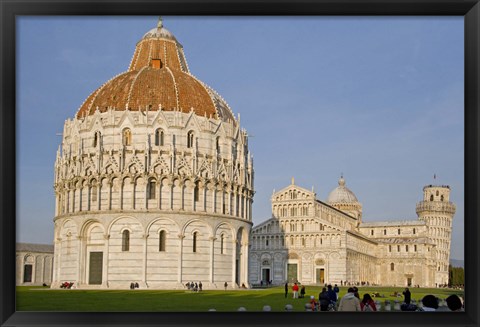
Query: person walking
(336, 290)
(200, 286)
(349, 302)
(295, 291)
(225, 285)
(286, 289)
(367, 303)
(407, 295)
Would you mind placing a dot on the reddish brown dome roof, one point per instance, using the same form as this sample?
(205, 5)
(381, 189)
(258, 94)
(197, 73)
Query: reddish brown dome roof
(158, 76)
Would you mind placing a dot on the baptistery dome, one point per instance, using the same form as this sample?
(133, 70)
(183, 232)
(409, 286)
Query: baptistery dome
(153, 180)
(158, 78)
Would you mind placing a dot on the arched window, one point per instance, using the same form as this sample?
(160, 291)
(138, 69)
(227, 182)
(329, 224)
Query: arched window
(392, 266)
(195, 193)
(221, 244)
(96, 139)
(151, 188)
(93, 193)
(414, 231)
(406, 248)
(162, 241)
(217, 144)
(437, 193)
(384, 232)
(389, 248)
(441, 198)
(415, 248)
(127, 136)
(431, 197)
(398, 248)
(399, 231)
(159, 137)
(190, 139)
(371, 232)
(194, 243)
(125, 240)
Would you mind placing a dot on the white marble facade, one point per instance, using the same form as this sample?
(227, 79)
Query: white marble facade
(318, 242)
(156, 189)
(33, 264)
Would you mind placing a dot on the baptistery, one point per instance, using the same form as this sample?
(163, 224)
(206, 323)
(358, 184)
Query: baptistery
(153, 180)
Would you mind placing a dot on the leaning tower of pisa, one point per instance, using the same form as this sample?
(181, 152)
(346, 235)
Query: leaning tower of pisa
(437, 211)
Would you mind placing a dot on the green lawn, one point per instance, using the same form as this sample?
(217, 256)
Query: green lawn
(45, 299)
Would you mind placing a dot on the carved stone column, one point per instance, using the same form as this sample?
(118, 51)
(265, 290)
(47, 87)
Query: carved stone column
(106, 237)
(234, 260)
(170, 189)
(212, 258)
(81, 265)
(180, 258)
(145, 258)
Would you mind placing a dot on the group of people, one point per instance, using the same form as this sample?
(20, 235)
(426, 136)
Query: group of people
(194, 286)
(328, 300)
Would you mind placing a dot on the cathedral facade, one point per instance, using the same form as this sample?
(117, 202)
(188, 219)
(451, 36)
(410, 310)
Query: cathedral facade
(317, 242)
(153, 180)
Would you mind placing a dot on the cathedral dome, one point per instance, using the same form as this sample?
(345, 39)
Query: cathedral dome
(158, 79)
(341, 194)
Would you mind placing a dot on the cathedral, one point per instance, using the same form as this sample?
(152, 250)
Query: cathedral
(153, 180)
(318, 242)
(153, 185)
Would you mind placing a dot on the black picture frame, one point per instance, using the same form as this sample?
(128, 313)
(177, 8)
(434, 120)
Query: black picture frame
(470, 9)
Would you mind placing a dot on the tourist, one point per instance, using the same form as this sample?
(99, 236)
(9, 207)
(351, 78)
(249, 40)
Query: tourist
(200, 286)
(286, 289)
(367, 303)
(331, 294)
(188, 285)
(336, 290)
(349, 302)
(225, 285)
(407, 295)
(430, 303)
(355, 292)
(324, 299)
(302, 292)
(295, 291)
(454, 303)
(313, 303)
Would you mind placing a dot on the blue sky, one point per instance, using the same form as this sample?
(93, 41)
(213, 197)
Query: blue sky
(379, 99)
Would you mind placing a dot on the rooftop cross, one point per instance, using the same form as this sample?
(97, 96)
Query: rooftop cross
(160, 22)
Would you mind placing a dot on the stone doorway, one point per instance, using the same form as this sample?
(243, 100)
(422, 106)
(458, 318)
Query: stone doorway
(320, 276)
(95, 270)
